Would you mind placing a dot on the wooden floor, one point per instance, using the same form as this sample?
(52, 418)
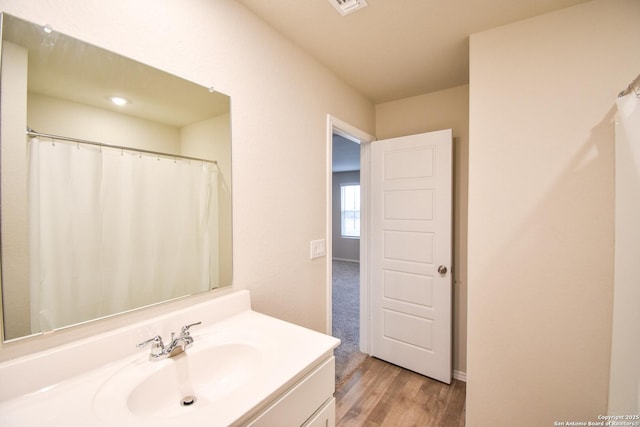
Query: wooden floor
(381, 394)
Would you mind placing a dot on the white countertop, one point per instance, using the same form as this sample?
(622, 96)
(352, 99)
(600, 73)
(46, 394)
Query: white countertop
(288, 352)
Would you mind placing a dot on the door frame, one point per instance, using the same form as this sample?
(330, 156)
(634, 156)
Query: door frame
(344, 129)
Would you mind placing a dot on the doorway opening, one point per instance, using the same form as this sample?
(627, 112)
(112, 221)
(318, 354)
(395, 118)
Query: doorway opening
(346, 231)
(346, 255)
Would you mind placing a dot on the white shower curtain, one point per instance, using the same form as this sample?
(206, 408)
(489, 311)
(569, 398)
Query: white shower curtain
(624, 375)
(111, 230)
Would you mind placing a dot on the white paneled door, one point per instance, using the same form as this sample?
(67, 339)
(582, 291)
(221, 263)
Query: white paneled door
(410, 275)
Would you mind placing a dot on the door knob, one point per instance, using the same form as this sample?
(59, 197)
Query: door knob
(442, 270)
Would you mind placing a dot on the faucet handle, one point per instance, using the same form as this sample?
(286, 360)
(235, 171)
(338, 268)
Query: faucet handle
(185, 328)
(157, 342)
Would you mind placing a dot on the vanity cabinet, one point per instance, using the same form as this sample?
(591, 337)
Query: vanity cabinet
(309, 402)
(245, 369)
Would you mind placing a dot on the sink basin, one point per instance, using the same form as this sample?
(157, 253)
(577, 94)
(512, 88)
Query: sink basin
(179, 385)
(243, 367)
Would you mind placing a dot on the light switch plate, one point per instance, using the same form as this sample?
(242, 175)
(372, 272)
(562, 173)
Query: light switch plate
(318, 248)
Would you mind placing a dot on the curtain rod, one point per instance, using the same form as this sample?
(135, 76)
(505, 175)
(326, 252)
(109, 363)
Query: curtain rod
(634, 86)
(32, 134)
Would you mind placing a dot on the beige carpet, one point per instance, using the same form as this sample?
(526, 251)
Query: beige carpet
(346, 318)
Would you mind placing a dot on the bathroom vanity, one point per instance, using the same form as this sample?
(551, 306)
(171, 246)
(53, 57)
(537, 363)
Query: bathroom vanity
(243, 369)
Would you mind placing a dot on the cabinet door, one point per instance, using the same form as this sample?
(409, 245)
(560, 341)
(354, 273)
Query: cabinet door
(325, 417)
(297, 405)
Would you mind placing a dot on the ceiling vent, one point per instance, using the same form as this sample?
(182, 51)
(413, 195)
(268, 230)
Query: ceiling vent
(345, 7)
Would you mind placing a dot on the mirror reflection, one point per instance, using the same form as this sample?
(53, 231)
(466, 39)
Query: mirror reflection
(119, 196)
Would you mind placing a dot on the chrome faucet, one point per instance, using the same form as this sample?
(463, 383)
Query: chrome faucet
(177, 345)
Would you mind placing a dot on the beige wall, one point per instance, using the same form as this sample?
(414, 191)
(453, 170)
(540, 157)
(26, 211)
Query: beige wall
(15, 226)
(434, 111)
(541, 212)
(280, 101)
(61, 117)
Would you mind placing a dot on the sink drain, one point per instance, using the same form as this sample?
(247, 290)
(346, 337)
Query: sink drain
(188, 400)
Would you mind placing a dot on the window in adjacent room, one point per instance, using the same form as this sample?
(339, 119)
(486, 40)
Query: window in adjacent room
(350, 210)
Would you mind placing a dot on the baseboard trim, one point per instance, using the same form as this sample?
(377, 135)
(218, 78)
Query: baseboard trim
(460, 376)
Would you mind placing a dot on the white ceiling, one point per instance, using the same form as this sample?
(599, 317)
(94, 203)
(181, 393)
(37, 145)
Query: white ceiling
(393, 49)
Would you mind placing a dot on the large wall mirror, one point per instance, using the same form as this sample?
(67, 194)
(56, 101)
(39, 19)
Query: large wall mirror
(105, 207)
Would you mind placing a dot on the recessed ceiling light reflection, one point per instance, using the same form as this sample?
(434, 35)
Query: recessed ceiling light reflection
(118, 100)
